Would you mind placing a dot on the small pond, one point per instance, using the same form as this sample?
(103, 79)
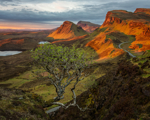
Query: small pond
(7, 53)
(43, 42)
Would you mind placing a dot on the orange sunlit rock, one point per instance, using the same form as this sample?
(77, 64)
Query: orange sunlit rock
(142, 10)
(67, 30)
(75, 38)
(104, 47)
(5, 41)
(136, 23)
(144, 41)
(18, 41)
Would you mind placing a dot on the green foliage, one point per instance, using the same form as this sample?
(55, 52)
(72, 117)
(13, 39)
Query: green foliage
(52, 55)
(140, 45)
(64, 65)
(145, 54)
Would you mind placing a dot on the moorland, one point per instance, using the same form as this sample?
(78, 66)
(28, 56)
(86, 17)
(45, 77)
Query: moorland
(118, 87)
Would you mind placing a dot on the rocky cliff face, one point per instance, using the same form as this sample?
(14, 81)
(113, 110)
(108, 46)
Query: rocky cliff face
(88, 26)
(128, 23)
(142, 10)
(67, 30)
(104, 46)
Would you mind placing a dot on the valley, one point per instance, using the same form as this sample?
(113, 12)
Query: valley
(117, 87)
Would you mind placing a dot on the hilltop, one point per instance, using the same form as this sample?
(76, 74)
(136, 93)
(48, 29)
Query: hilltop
(123, 26)
(88, 26)
(67, 30)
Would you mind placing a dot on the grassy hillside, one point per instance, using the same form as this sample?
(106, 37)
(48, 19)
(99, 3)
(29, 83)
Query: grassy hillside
(16, 104)
(121, 94)
(78, 31)
(118, 87)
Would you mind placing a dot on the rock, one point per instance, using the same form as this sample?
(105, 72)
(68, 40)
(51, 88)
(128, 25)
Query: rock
(88, 26)
(67, 30)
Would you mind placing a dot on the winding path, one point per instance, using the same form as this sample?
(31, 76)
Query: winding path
(126, 50)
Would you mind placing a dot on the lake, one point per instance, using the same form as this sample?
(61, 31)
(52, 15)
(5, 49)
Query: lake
(7, 53)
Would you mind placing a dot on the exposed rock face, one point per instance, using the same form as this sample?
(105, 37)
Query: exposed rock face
(104, 47)
(11, 41)
(71, 39)
(88, 26)
(137, 24)
(142, 10)
(67, 30)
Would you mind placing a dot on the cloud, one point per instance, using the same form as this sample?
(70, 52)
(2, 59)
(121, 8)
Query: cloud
(43, 11)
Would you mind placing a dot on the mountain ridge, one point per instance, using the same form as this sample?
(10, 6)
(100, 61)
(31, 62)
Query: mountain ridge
(67, 30)
(130, 24)
(88, 26)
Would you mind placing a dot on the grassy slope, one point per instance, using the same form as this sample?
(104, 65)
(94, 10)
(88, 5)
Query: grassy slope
(121, 94)
(28, 80)
(78, 31)
(47, 91)
(19, 105)
(143, 61)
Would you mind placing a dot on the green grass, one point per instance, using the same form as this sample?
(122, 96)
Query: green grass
(49, 92)
(131, 38)
(140, 45)
(20, 80)
(145, 75)
(140, 61)
(50, 39)
(145, 54)
(15, 82)
(78, 31)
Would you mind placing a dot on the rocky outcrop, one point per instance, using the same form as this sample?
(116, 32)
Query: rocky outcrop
(67, 30)
(104, 46)
(88, 26)
(20, 41)
(72, 39)
(128, 23)
(142, 10)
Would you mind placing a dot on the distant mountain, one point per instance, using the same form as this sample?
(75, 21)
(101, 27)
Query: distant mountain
(88, 26)
(9, 30)
(67, 30)
(26, 30)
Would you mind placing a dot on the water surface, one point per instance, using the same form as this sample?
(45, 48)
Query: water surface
(43, 42)
(7, 53)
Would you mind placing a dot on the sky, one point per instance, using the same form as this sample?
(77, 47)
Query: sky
(49, 14)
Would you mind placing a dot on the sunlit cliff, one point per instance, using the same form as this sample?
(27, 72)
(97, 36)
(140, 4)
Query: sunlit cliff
(135, 24)
(67, 30)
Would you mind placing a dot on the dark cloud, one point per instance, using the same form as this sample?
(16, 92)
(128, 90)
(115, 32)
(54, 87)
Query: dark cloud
(95, 12)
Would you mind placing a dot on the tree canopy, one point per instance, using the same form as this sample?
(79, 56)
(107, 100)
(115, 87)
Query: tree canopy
(64, 65)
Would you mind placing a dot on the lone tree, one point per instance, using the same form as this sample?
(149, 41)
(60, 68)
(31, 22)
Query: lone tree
(63, 65)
